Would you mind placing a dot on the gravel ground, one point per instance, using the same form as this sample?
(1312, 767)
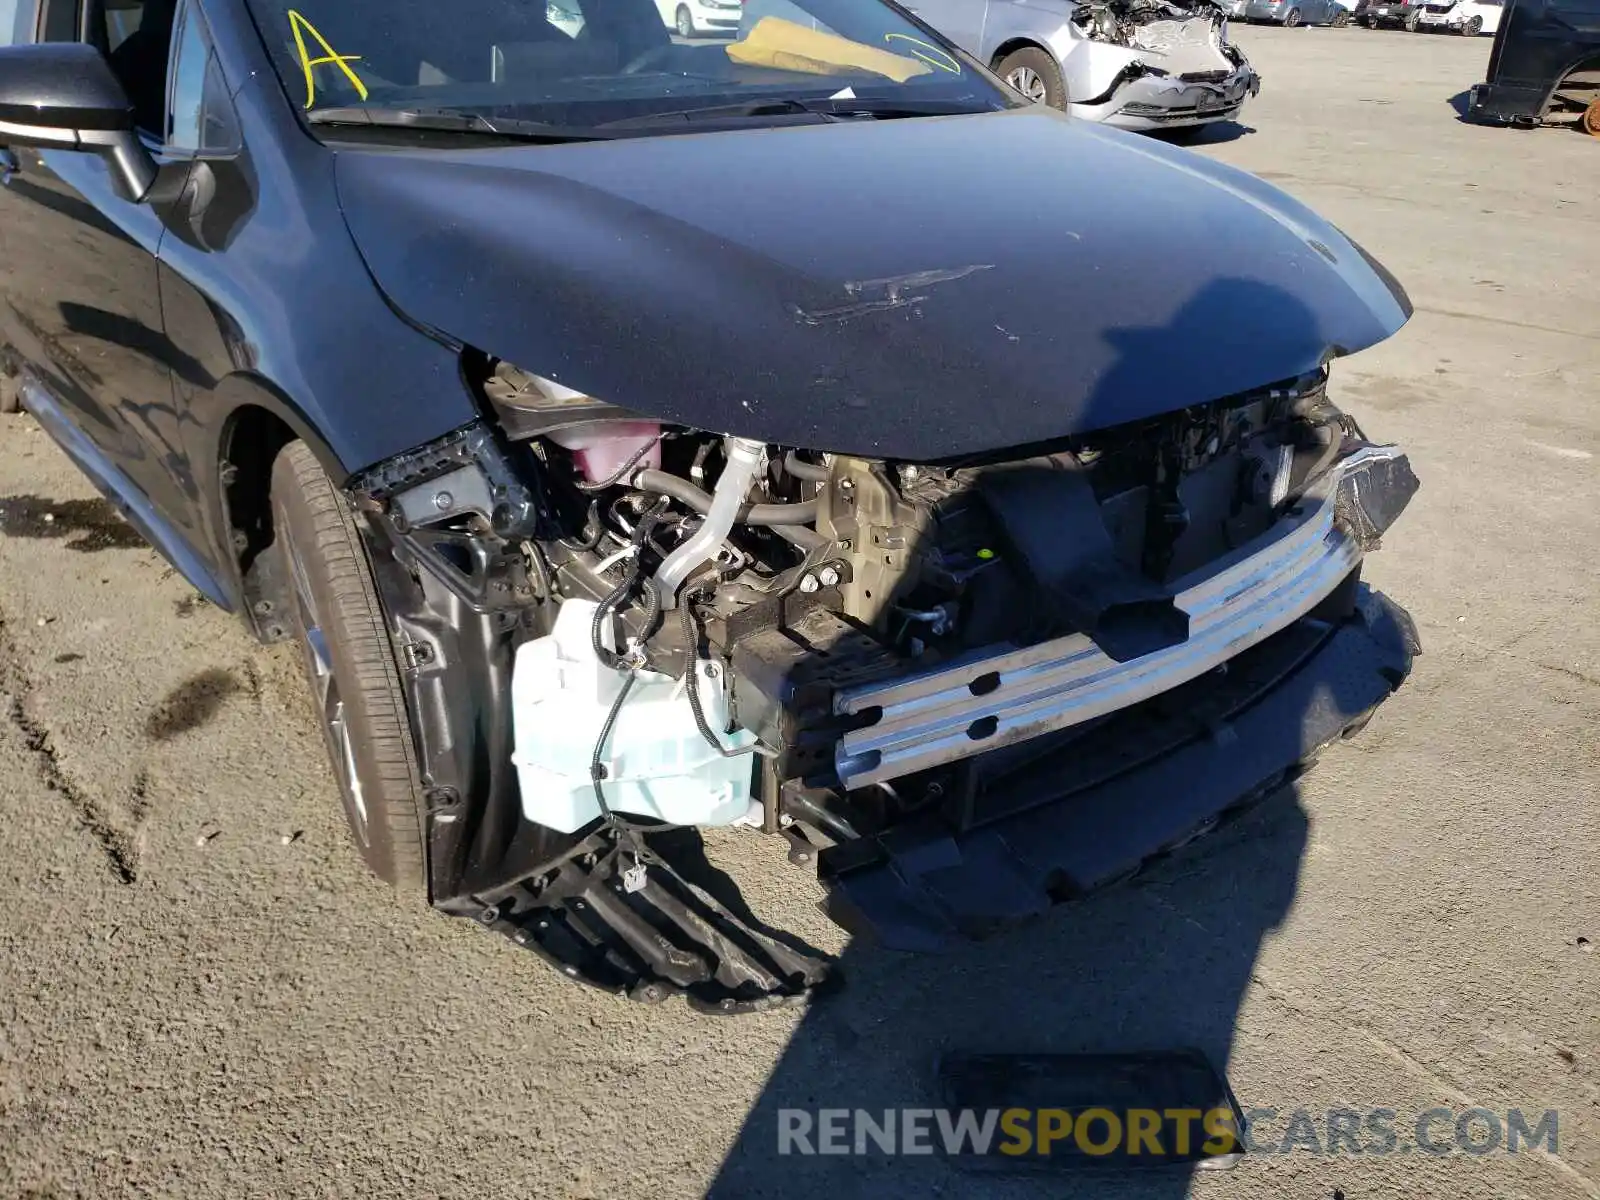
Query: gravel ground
(202, 995)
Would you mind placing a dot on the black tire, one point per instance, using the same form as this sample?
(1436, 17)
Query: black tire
(1411, 23)
(1034, 64)
(350, 665)
(1291, 19)
(1372, 22)
(685, 21)
(1472, 27)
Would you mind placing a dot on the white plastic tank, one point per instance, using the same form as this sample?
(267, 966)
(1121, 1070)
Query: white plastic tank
(657, 763)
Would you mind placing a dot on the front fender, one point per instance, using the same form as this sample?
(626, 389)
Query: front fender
(233, 409)
(1090, 69)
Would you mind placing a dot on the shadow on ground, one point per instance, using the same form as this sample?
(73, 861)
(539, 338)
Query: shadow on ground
(1204, 135)
(1161, 962)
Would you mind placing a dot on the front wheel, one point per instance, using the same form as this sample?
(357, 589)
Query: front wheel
(1472, 27)
(685, 22)
(350, 666)
(1291, 18)
(1035, 74)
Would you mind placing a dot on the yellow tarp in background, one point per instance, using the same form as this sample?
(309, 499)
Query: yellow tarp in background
(787, 46)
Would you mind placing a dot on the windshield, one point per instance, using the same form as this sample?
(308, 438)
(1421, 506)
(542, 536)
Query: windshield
(582, 64)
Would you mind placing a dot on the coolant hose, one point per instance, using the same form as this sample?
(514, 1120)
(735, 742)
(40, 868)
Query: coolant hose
(794, 465)
(650, 480)
(733, 485)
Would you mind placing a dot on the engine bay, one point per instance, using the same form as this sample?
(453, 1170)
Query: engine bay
(1145, 24)
(1185, 42)
(925, 560)
(804, 573)
(614, 628)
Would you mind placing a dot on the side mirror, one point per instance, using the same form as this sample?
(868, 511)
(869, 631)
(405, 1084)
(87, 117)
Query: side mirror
(64, 96)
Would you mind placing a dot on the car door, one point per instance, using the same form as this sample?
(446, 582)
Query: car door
(78, 279)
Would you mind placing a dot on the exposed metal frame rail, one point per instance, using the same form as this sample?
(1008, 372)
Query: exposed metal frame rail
(991, 700)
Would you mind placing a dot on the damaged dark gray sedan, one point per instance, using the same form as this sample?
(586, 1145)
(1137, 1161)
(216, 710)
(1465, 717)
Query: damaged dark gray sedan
(640, 435)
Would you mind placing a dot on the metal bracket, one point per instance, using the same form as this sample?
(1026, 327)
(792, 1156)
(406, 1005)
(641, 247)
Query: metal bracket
(467, 469)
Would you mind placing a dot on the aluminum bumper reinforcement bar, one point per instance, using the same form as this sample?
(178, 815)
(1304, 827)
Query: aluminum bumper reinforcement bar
(991, 700)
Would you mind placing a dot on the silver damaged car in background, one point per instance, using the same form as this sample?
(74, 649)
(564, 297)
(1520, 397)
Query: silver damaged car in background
(1134, 64)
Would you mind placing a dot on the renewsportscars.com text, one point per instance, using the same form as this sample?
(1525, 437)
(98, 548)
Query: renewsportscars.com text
(1173, 1132)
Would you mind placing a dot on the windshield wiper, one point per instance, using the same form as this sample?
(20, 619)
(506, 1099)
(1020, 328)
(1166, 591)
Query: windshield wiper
(712, 112)
(886, 108)
(445, 120)
(829, 108)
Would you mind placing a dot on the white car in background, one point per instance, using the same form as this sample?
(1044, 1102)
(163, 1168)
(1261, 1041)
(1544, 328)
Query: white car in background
(1466, 17)
(700, 18)
(1134, 64)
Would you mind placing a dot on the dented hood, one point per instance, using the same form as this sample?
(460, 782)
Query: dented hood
(916, 289)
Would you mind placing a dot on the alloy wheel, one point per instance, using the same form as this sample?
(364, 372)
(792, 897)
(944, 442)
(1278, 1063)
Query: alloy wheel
(1029, 82)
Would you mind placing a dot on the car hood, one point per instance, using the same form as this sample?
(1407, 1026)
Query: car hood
(915, 289)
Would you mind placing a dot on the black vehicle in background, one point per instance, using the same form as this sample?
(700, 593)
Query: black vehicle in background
(1403, 13)
(1544, 68)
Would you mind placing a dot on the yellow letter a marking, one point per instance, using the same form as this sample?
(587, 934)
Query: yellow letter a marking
(300, 26)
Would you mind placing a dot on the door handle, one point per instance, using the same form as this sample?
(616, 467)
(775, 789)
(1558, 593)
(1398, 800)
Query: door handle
(10, 164)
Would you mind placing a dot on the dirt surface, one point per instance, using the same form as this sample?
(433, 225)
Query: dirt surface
(202, 995)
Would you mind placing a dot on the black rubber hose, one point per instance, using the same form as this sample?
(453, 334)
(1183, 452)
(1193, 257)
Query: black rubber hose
(652, 607)
(631, 576)
(691, 680)
(682, 490)
(597, 771)
(602, 614)
(589, 541)
(794, 465)
(799, 535)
